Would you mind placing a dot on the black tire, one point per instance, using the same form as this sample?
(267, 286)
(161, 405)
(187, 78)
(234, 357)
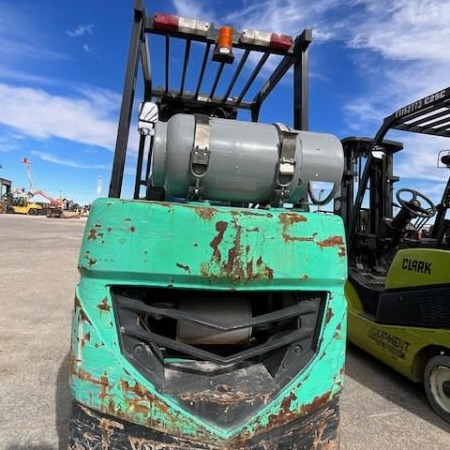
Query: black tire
(10, 210)
(436, 380)
(33, 212)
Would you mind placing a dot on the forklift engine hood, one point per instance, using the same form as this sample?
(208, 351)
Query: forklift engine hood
(241, 161)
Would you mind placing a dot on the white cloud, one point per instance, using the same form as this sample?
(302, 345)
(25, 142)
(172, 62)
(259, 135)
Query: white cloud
(419, 159)
(7, 73)
(81, 30)
(45, 156)
(193, 9)
(88, 119)
(404, 29)
(401, 52)
(402, 46)
(283, 16)
(86, 48)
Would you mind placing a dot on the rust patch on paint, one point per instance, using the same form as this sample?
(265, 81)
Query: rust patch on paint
(84, 375)
(304, 277)
(295, 431)
(225, 398)
(286, 403)
(239, 264)
(186, 268)
(251, 213)
(289, 219)
(83, 317)
(205, 213)
(138, 397)
(91, 261)
(329, 315)
(104, 306)
(132, 229)
(288, 238)
(334, 241)
(318, 403)
(84, 339)
(284, 415)
(92, 234)
(249, 268)
(220, 227)
(233, 266)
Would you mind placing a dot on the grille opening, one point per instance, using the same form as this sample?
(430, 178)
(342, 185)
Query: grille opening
(224, 327)
(208, 331)
(217, 307)
(201, 345)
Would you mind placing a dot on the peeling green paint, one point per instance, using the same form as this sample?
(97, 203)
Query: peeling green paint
(202, 247)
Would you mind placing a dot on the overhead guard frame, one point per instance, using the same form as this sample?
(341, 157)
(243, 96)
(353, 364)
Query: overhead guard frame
(296, 56)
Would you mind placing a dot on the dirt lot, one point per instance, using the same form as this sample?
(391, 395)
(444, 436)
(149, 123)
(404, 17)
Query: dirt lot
(38, 256)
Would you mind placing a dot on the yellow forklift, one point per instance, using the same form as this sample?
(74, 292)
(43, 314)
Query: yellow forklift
(22, 205)
(398, 288)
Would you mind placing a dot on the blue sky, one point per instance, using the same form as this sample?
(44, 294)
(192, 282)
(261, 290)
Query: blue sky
(62, 67)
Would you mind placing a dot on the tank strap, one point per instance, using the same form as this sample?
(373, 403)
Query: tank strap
(286, 160)
(200, 153)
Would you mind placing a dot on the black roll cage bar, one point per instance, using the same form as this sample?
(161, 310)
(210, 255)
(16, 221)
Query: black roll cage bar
(296, 56)
(428, 115)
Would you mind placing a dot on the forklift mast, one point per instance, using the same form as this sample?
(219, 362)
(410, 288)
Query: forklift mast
(357, 152)
(429, 115)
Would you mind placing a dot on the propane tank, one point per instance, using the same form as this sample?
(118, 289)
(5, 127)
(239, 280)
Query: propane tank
(229, 160)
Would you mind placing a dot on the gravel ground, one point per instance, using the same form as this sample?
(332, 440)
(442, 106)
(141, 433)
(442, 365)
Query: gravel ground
(38, 258)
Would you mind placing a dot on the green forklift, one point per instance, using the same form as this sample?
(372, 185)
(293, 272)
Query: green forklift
(210, 311)
(398, 287)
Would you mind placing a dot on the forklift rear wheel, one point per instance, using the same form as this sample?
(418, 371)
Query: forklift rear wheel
(437, 385)
(33, 212)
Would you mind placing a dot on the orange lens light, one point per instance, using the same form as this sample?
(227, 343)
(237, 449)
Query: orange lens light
(225, 40)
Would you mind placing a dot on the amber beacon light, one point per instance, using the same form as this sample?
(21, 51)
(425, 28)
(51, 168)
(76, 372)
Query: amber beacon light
(224, 47)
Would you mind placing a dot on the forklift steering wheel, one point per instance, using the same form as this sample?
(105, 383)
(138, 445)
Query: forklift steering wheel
(413, 205)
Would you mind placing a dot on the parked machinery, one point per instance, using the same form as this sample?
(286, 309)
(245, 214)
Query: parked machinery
(210, 311)
(398, 288)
